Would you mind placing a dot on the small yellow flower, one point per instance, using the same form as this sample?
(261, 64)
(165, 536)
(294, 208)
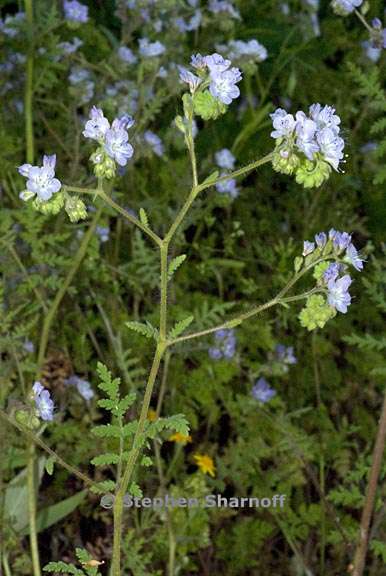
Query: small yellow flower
(205, 464)
(152, 415)
(180, 438)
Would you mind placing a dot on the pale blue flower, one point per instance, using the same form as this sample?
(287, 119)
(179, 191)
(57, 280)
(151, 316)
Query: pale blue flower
(223, 85)
(74, 11)
(154, 142)
(126, 55)
(10, 25)
(338, 295)
(340, 239)
(189, 78)
(228, 187)
(371, 51)
(97, 126)
(70, 47)
(285, 354)
(78, 75)
(321, 239)
(117, 143)
(353, 257)
(305, 131)
(226, 6)
(225, 159)
(251, 48)
(43, 402)
(283, 123)
(83, 387)
(262, 391)
(41, 181)
(103, 232)
(150, 49)
(325, 117)
(331, 146)
(308, 247)
(332, 272)
(225, 344)
(215, 62)
(198, 61)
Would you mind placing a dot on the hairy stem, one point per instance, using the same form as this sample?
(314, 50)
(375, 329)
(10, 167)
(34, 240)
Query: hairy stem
(245, 316)
(360, 554)
(28, 93)
(133, 456)
(32, 508)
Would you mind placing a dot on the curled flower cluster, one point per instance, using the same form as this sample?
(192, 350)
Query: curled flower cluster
(225, 345)
(43, 402)
(307, 145)
(113, 140)
(378, 35)
(262, 391)
(331, 254)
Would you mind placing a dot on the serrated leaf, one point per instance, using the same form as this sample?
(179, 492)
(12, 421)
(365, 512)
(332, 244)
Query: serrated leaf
(109, 385)
(135, 490)
(106, 431)
(145, 329)
(63, 567)
(180, 327)
(103, 487)
(146, 461)
(143, 217)
(105, 459)
(175, 264)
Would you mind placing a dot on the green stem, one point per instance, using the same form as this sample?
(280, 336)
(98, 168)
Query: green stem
(164, 291)
(364, 21)
(245, 316)
(133, 456)
(28, 94)
(208, 184)
(7, 570)
(99, 192)
(32, 508)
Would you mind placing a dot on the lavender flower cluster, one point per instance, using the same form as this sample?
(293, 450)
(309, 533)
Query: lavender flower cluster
(262, 391)
(217, 71)
(113, 140)
(337, 245)
(307, 145)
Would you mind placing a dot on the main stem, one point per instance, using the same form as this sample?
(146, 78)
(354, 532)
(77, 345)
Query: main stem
(133, 456)
(360, 554)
